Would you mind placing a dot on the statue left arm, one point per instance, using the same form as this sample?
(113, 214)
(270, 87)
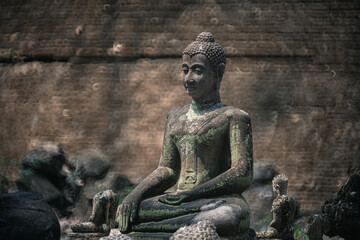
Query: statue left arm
(234, 180)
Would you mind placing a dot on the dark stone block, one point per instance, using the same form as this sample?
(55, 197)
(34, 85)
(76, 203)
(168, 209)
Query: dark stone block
(342, 214)
(90, 164)
(27, 216)
(43, 173)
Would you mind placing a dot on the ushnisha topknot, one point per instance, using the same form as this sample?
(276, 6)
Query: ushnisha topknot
(205, 44)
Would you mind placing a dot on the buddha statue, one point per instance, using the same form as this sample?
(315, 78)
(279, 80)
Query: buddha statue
(206, 160)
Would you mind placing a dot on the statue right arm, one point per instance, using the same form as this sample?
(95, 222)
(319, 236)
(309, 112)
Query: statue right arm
(164, 177)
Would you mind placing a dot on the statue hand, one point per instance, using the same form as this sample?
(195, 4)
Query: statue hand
(126, 213)
(175, 199)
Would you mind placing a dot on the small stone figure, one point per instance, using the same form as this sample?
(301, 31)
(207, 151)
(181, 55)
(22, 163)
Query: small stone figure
(102, 218)
(283, 211)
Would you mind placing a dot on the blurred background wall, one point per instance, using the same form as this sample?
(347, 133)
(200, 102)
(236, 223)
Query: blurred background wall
(103, 75)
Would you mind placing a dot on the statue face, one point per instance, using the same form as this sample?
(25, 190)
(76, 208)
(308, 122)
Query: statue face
(199, 78)
(276, 189)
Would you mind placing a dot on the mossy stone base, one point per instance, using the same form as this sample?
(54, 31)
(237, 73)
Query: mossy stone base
(86, 236)
(250, 235)
(149, 235)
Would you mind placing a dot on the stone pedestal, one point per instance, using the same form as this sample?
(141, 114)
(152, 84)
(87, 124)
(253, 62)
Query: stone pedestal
(148, 235)
(250, 235)
(153, 236)
(86, 236)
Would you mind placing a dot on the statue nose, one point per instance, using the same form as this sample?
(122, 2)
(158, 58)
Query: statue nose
(189, 79)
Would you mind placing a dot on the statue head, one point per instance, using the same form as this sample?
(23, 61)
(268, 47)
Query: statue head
(204, 63)
(280, 183)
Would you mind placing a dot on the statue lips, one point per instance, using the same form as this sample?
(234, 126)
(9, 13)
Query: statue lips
(190, 88)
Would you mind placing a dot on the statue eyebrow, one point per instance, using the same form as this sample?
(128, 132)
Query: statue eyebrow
(195, 65)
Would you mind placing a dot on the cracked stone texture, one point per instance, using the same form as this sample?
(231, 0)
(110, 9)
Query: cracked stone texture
(201, 230)
(103, 75)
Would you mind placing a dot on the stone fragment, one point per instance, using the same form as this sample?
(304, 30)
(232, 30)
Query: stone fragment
(111, 181)
(102, 217)
(42, 172)
(342, 214)
(115, 234)
(46, 159)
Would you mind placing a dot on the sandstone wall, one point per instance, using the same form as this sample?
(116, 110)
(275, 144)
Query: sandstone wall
(103, 74)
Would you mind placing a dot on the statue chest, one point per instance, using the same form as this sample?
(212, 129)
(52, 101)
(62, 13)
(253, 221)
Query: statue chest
(203, 146)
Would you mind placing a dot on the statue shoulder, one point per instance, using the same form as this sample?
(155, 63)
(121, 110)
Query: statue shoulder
(176, 113)
(237, 114)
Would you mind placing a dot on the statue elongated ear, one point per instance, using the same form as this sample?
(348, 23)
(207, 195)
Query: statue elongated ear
(220, 70)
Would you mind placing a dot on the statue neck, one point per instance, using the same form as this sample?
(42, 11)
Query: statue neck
(206, 104)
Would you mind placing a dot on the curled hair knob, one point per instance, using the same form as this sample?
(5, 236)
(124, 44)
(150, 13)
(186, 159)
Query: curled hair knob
(205, 37)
